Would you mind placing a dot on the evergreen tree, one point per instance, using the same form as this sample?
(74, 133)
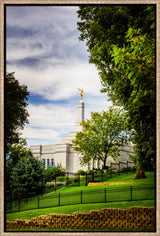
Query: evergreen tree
(27, 177)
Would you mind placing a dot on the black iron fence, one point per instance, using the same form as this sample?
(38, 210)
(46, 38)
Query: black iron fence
(100, 195)
(97, 175)
(74, 179)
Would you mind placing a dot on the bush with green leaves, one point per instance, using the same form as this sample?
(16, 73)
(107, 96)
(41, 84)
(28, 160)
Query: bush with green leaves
(69, 180)
(81, 172)
(59, 184)
(89, 171)
(124, 169)
(98, 173)
(61, 178)
(50, 185)
(76, 179)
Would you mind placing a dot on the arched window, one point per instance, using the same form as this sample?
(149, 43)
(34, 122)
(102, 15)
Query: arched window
(52, 163)
(44, 162)
(47, 163)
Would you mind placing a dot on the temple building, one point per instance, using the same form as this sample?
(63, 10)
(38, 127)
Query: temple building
(64, 154)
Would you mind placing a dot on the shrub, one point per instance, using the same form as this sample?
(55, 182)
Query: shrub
(124, 169)
(59, 184)
(88, 171)
(129, 168)
(68, 182)
(49, 185)
(76, 179)
(61, 178)
(81, 172)
(98, 172)
(133, 168)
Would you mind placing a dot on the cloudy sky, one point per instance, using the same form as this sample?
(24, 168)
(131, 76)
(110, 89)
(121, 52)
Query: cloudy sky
(43, 49)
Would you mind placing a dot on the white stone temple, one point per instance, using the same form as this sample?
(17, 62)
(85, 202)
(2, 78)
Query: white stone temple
(64, 154)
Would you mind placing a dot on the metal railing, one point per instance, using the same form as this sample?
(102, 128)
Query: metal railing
(100, 195)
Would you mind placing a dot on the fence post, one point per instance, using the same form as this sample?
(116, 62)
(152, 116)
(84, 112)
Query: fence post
(11, 201)
(105, 194)
(111, 170)
(131, 193)
(79, 180)
(92, 176)
(86, 179)
(19, 205)
(55, 184)
(59, 199)
(67, 179)
(38, 201)
(81, 196)
(102, 176)
(127, 166)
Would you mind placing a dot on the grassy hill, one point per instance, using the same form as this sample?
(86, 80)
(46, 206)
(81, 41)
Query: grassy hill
(93, 194)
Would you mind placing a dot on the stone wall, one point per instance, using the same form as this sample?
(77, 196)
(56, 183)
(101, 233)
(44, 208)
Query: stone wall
(132, 218)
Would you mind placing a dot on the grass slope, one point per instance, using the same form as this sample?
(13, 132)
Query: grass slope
(77, 208)
(127, 178)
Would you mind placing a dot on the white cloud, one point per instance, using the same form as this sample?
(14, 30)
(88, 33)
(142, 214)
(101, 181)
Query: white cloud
(47, 123)
(21, 48)
(40, 133)
(51, 116)
(38, 141)
(61, 81)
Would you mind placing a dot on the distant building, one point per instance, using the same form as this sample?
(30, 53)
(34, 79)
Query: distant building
(64, 154)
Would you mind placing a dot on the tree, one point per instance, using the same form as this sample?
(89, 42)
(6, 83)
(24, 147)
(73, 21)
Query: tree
(27, 177)
(121, 42)
(15, 109)
(102, 136)
(14, 153)
(103, 26)
(135, 66)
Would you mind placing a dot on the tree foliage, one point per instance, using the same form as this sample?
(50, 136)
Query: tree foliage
(103, 26)
(14, 153)
(135, 89)
(102, 136)
(27, 176)
(121, 42)
(15, 109)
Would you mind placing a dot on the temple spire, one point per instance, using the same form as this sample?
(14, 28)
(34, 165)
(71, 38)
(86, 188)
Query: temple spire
(80, 113)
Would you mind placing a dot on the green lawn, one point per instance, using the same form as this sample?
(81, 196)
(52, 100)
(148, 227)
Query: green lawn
(94, 200)
(123, 177)
(77, 208)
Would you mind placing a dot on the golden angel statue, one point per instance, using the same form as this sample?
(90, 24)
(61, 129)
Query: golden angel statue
(81, 92)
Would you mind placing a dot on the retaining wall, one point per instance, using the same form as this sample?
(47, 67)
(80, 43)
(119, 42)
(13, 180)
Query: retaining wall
(134, 217)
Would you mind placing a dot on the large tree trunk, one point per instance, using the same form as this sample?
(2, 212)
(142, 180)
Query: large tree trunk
(140, 174)
(104, 162)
